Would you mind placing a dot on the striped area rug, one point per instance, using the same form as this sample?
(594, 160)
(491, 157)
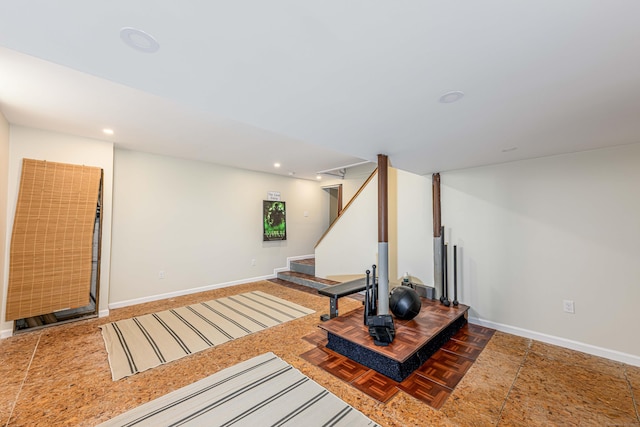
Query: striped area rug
(144, 342)
(263, 391)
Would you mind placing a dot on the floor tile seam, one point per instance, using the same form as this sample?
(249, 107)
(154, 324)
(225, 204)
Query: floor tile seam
(478, 341)
(458, 354)
(375, 397)
(435, 382)
(633, 396)
(24, 380)
(448, 368)
(447, 389)
(470, 344)
(358, 377)
(513, 383)
(488, 334)
(480, 330)
(323, 366)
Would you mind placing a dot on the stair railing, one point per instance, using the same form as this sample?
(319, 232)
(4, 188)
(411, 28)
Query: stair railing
(375, 171)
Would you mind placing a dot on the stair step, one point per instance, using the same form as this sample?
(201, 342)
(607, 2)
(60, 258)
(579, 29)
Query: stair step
(306, 266)
(306, 279)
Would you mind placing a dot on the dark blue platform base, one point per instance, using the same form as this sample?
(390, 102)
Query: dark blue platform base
(388, 366)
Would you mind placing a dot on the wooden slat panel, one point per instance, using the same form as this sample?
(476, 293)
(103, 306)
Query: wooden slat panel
(51, 244)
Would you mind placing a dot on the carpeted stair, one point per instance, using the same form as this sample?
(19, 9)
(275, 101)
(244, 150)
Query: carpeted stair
(302, 272)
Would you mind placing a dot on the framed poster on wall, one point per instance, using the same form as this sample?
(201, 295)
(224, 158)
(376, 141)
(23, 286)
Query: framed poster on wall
(274, 221)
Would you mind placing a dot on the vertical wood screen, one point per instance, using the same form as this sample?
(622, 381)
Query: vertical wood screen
(51, 244)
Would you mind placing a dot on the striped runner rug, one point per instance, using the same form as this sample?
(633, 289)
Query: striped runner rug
(144, 342)
(263, 391)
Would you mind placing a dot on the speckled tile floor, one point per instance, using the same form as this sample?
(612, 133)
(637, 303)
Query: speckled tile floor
(60, 376)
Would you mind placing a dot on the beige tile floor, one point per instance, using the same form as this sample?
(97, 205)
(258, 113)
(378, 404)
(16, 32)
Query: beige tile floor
(60, 376)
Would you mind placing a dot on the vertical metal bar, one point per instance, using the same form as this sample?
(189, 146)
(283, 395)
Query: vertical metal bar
(445, 288)
(383, 235)
(367, 299)
(455, 275)
(373, 310)
(333, 307)
(445, 280)
(437, 234)
(435, 194)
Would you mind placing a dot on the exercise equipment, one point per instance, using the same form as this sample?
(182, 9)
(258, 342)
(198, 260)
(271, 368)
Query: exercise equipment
(336, 292)
(381, 327)
(445, 279)
(374, 292)
(441, 265)
(367, 304)
(455, 275)
(404, 303)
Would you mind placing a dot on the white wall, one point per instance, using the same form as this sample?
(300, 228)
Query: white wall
(415, 227)
(55, 147)
(352, 244)
(201, 225)
(530, 234)
(534, 233)
(353, 179)
(4, 226)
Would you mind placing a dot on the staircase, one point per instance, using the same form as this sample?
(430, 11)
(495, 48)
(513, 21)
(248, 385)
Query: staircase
(302, 272)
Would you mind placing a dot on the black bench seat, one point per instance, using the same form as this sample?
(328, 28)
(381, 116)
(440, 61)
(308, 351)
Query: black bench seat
(338, 291)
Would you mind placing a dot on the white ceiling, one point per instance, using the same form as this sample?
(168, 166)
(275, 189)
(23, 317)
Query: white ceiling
(319, 85)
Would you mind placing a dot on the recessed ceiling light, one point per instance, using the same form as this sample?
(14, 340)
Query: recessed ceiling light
(506, 150)
(318, 176)
(107, 131)
(276, 165)
(139, 40)
(450, 97)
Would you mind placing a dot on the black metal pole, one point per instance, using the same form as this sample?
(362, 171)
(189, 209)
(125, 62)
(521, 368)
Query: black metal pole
(442, 273)
(455, 275)
(367, 302)
(445, 268)
(442, 267)
(374, 292)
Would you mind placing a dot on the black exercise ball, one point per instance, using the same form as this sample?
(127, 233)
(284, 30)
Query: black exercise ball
(404, 303)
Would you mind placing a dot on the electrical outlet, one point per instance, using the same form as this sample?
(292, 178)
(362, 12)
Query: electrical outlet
(253, 262)
(568, 306)
(161, 274)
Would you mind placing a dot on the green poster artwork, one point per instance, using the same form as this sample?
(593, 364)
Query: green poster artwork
(274, 220)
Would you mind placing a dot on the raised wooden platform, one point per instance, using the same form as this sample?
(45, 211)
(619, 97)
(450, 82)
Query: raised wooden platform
(415, 341)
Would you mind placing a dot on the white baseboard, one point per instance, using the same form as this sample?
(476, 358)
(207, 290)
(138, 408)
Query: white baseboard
(151, 298)
(289, 259)
(299, 257)
(104, 313)
(618, 356)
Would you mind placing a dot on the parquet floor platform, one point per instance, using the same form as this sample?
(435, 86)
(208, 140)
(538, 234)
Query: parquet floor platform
(432, 382)
(410, 334)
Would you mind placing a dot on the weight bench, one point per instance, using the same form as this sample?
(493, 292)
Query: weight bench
(338, 291)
